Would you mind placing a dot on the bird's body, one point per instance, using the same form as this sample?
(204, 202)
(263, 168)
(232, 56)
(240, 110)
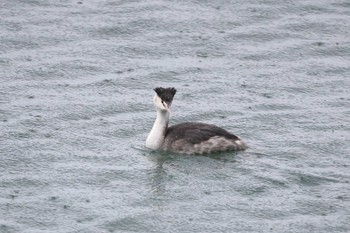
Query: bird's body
(190, 137)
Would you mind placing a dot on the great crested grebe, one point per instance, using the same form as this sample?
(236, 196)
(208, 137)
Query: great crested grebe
(190, 137)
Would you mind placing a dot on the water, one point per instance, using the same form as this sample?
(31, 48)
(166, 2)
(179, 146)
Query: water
(76, 107)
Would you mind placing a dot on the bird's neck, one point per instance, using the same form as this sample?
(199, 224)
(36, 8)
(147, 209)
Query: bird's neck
(155, 138)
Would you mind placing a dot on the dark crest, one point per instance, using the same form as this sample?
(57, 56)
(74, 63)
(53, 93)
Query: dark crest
(166, 94)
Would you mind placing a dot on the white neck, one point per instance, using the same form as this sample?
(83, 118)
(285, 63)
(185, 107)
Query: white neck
(155, 138)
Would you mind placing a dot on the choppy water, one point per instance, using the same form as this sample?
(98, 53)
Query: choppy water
(76, 106)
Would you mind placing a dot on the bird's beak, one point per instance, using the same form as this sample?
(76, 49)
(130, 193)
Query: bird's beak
(167, 107)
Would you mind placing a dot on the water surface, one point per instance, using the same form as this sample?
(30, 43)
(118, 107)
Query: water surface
(76, 107)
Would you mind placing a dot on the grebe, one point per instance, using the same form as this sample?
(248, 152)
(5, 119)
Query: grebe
(186, 138)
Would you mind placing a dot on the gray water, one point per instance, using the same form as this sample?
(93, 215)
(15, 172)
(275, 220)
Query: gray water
(76, 107)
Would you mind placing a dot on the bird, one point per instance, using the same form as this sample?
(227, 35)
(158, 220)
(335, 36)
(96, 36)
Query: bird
(188, 137)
